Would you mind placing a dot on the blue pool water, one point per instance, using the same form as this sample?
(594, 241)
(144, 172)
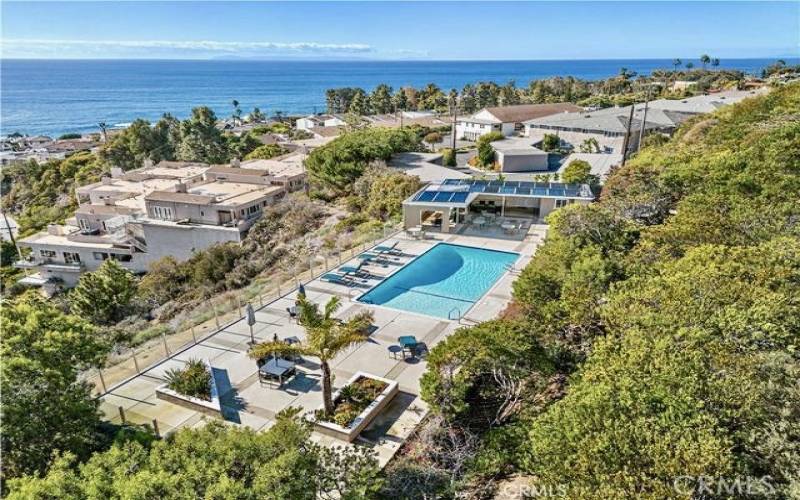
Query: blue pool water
(444, 281)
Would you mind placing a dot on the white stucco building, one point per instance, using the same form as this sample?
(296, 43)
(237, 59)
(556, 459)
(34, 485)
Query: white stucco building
(137, 217)
(505, 119)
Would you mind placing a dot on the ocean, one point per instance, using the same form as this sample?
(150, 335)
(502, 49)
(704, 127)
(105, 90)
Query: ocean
(54, 97)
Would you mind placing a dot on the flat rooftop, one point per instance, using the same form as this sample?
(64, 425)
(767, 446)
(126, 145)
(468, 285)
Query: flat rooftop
(289, 166)
(216, 193)
(462, 191)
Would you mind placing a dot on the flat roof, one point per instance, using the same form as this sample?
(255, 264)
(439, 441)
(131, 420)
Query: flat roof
(463, 191)
(290, 165)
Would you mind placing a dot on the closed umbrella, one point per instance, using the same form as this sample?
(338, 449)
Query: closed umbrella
(251, 320)
(301, 291)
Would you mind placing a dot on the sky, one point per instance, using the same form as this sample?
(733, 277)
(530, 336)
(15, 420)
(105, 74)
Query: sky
(399, 30)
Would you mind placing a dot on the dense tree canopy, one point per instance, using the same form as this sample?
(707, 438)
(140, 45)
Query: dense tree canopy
(215, 461)
(673, 304)
(45, 407)
(104, 296)
(339, 163)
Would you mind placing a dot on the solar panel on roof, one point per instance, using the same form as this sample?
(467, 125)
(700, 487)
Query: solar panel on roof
(459, 198)
(426, 196)
(442, 197)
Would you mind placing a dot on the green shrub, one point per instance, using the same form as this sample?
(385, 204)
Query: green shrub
(338, 164)
(64, 137)
(193, 380)
(490, 137)
(353, 399)
(266, 152)
(550, 142)
(485, 157)
(577, 172)
(448, 157)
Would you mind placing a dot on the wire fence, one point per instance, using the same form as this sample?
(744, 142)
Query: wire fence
(222, 311)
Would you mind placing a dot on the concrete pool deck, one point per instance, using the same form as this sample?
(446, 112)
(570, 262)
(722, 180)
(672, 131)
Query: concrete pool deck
(247, 402)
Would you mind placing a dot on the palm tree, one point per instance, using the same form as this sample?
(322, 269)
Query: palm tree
(237, 112)
(326, 337)
(704, 59)
(103, 126)
(689, 65)
(715, 62)
(675, 63)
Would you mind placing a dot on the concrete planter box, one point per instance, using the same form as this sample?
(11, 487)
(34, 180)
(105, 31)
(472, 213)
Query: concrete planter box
(350, 433)
(211, 408)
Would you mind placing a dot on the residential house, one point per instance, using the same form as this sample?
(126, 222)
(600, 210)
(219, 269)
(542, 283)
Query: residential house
(445, 205)
(312, 121)
(506, 119)
(169, 209)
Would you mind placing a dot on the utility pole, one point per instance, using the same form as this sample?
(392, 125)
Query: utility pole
(644, 120)
(455, 116)
(627, 137)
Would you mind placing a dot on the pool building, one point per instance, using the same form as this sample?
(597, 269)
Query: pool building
(446, 204)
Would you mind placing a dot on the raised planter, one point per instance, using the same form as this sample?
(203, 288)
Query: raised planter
(364, 418)
(211, 408)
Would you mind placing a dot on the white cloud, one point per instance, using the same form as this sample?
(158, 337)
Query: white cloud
(199, 48)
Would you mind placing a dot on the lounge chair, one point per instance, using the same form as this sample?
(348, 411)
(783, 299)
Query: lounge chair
(337, 279)
(387, 248)
(354, 270)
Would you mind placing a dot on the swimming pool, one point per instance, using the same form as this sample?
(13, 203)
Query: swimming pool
(445, 281)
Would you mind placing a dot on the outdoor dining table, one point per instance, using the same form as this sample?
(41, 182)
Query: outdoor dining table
(408, 343)
(277, 368)
(508, 227)
(479, 221)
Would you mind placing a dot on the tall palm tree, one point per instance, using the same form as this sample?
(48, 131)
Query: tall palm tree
(103, 127)
(326, 337)
(704, 59)
(675, 63)
(237, 112)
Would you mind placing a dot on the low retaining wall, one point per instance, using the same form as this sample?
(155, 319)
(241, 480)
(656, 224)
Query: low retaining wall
(350, 433)
(211, 408)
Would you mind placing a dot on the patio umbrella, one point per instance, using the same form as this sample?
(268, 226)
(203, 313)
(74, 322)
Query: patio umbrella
(301, 290)
(251, 320)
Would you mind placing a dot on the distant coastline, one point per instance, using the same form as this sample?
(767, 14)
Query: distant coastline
(54, 97)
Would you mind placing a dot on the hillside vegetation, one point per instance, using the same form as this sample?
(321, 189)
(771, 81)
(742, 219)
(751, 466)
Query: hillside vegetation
(654, 335)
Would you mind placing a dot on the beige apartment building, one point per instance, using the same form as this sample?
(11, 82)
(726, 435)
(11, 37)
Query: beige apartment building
(172, 208)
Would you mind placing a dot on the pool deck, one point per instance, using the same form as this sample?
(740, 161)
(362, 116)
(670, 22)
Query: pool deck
(247, 402)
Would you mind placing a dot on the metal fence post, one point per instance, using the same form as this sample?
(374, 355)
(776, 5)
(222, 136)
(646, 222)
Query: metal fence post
(102, 380)
(155, 428)
(239, 306)
(216, 317)
(279, 289)
(260, 300)
(135, 361)
(164, 338)
(194, 337)
(122, 414)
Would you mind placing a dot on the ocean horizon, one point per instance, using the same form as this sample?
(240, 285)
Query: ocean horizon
(53, 97)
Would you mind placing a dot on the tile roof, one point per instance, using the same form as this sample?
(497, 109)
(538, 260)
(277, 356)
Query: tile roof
(523, 112)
